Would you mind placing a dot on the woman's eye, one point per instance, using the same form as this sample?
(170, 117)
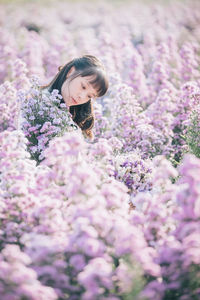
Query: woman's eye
(84, 89)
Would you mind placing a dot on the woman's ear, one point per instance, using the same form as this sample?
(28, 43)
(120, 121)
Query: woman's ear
(71, 70)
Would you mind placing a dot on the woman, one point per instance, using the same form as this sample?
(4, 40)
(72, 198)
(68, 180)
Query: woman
(78, 82)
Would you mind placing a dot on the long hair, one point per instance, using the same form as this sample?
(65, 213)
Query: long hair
(87, 65)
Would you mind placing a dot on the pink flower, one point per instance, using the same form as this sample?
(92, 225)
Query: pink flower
(77, 261)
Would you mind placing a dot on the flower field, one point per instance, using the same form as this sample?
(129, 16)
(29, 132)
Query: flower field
(117, 217)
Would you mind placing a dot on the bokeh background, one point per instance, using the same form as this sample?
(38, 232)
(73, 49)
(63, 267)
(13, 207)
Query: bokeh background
(117, 218)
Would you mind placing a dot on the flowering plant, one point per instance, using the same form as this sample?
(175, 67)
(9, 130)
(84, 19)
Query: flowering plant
(43, 117)
(133, 171)
(117, 218)
(192, 135)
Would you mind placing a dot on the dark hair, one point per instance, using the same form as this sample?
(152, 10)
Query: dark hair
(87, 65)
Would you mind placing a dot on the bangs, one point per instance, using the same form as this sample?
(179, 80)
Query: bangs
(99, 81)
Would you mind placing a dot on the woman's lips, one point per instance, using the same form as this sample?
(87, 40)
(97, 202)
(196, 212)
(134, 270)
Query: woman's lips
(74, 100)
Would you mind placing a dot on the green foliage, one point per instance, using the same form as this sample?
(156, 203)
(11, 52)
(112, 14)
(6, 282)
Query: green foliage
(192, 136)
(189, 286)
(139, 280)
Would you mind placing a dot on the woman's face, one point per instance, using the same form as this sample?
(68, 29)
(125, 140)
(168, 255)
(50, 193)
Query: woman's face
(78, 90)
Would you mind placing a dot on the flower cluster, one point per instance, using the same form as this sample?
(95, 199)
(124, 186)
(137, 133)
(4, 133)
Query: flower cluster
(24, 284)
(43, 117)
(192, 135)
(9, 109)
(134, 171)
(178, 254)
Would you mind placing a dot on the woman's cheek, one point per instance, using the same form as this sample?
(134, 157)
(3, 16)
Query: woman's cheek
(65, 94)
